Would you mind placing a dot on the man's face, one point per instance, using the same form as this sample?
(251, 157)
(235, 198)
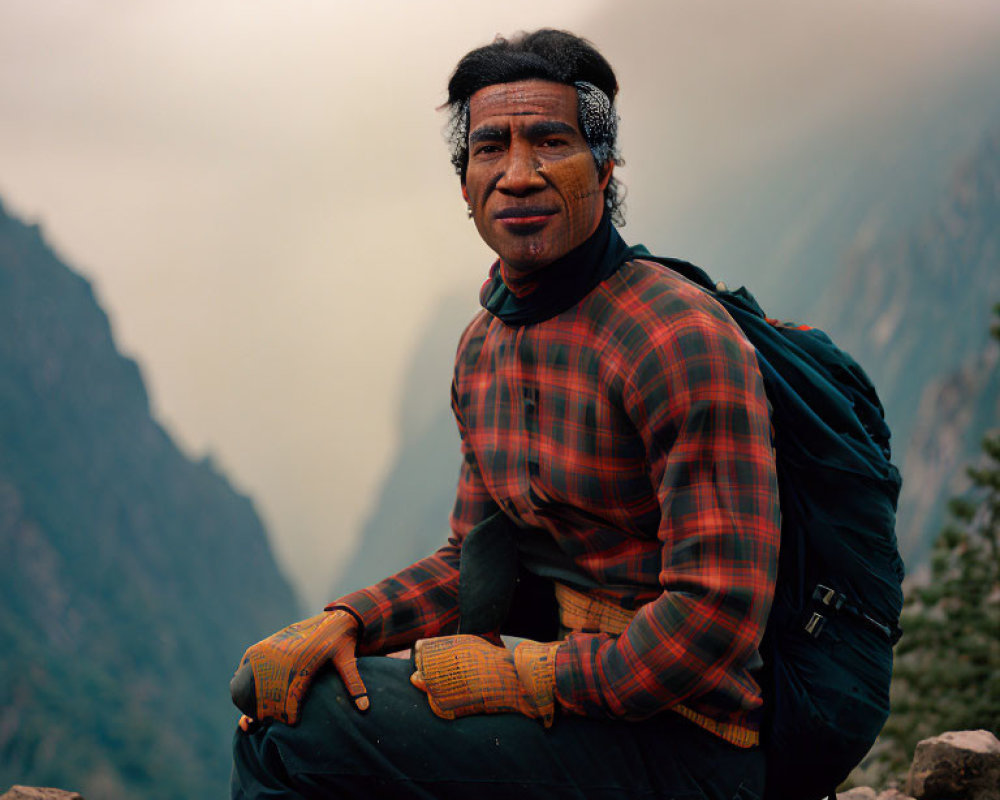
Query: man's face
(531, 180)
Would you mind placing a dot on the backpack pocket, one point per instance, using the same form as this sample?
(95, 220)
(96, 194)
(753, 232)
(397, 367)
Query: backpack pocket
(828, 702)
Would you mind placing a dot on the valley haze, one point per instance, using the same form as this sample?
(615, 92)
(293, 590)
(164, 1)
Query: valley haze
(260, 192)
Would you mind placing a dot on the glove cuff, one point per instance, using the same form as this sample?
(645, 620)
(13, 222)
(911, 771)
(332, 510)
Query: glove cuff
(535, 663)
(590, 613)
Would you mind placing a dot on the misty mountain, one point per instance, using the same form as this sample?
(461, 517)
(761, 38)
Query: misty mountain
(954, 412)
(915, 310)
(418, 492)
(901, 273)
(131, 578)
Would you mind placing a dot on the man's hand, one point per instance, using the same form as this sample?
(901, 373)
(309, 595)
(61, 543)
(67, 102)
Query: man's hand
(283, 666)
(465, 675)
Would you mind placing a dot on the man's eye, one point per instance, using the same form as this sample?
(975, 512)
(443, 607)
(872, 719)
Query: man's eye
(486, 149)
(553, 142)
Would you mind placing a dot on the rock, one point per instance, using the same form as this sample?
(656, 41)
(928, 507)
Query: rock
(959, 765)
(893, 794)
(857, 793)
(39, 793)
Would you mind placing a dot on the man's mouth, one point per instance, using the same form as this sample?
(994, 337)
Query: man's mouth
(524, 218)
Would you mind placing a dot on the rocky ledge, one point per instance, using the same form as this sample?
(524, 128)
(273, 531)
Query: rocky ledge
(39, 793)
(959, 765)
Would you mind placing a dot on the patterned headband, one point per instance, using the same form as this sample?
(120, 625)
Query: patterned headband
(599, 121)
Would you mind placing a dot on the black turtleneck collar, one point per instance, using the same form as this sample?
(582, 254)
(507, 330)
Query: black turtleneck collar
(561, 284)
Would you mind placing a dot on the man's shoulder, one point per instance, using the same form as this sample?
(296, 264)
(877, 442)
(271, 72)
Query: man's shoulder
(474, 333)
(644, 303)
(647, 289)
(646, 274)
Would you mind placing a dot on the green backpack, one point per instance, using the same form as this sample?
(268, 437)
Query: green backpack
(835, 618)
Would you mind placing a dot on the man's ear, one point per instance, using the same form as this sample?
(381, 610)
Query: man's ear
(465, 194)
(604, 174)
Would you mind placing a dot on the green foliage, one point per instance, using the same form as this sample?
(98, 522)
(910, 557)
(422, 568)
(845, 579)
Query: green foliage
(947, 673)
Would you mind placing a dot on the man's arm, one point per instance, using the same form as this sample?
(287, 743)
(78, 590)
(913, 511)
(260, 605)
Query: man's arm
(697, 399)
(421, 601)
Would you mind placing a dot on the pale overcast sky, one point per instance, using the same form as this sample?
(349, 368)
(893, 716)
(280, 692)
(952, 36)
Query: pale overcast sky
(260, 193)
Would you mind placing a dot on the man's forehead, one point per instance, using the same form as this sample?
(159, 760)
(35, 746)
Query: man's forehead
(523, 98)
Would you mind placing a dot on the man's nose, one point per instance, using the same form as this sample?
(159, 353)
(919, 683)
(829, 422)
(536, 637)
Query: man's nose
(521, 175)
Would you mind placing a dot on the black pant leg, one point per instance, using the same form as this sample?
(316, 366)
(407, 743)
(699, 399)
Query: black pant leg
(400, 749)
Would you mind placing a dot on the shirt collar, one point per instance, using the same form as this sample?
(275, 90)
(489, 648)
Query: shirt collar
(558, 286)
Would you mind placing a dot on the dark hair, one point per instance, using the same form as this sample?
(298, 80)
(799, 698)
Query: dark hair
(550, 55)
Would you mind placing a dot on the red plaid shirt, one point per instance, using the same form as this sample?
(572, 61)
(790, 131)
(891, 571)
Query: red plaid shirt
(634, 429)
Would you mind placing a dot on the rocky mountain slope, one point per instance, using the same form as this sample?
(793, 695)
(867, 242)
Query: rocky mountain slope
(915, 310)
(131, 578)
(953, 413)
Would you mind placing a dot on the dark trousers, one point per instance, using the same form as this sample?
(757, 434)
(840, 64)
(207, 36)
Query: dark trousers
(400, 749)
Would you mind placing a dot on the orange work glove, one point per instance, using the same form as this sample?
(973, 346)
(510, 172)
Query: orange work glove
(284, 664)
(465, 675)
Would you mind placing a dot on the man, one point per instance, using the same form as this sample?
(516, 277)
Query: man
(612, 416)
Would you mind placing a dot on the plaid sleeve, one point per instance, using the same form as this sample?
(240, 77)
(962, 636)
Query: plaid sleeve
(421, 601)
(696, 397)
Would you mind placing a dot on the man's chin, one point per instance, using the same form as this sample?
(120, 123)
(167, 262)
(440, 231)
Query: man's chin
(527, 254)
(526, 263)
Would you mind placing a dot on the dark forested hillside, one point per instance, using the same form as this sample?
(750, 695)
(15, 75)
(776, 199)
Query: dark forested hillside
(131, 578)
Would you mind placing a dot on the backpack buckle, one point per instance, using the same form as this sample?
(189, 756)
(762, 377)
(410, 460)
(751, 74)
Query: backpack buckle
(830, 598)
(814, 627)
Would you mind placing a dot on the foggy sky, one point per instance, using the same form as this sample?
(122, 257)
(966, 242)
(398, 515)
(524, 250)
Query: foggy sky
(260, 192)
